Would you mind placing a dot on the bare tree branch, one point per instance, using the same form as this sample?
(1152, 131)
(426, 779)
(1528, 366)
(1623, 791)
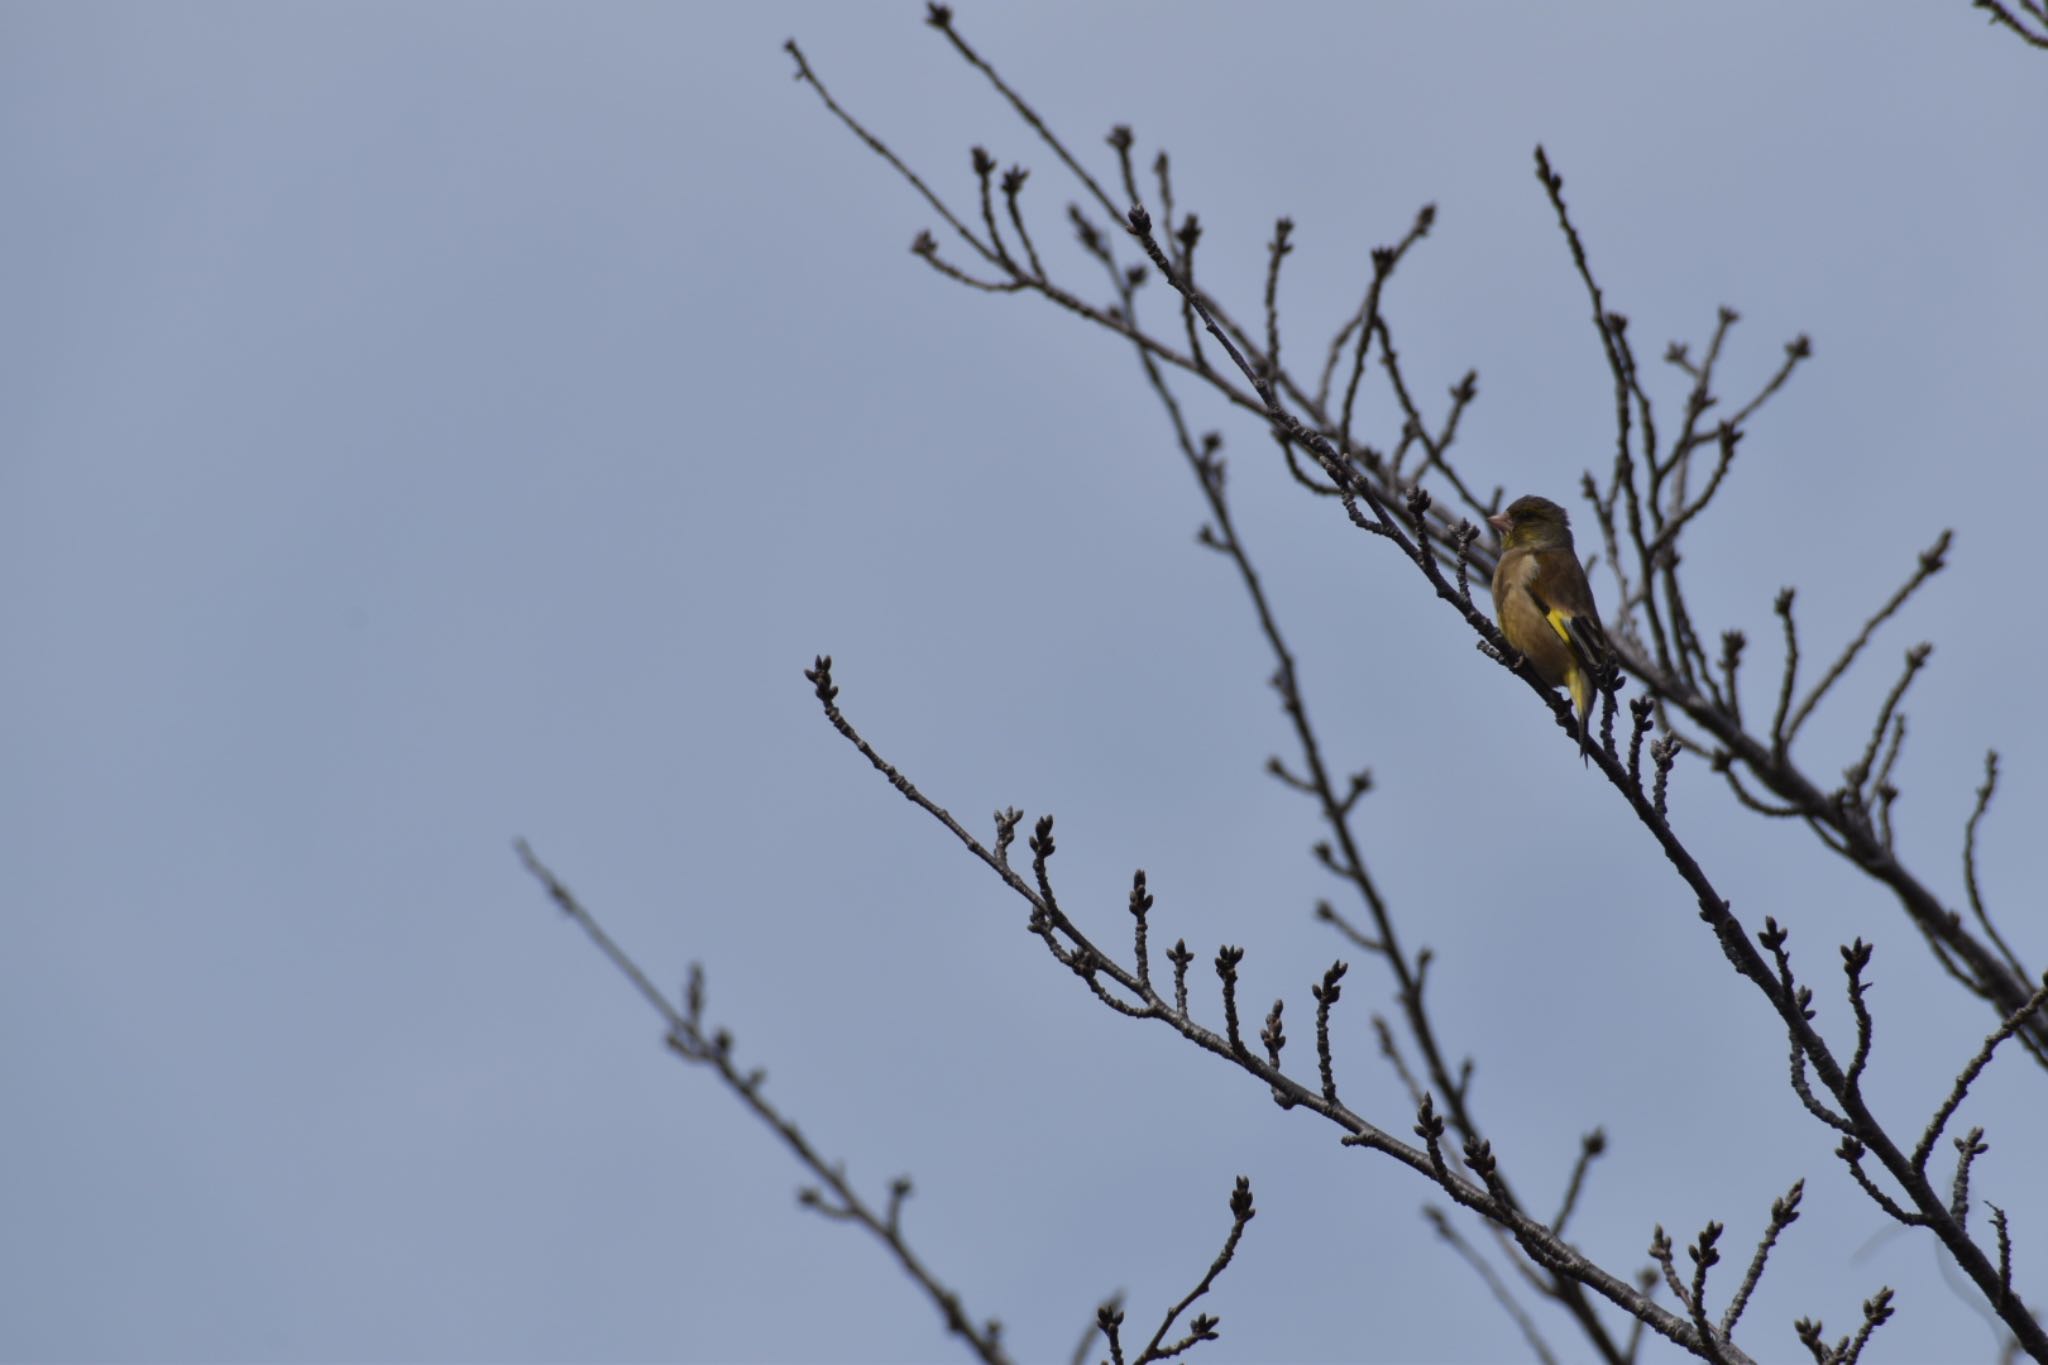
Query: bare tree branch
(834, 1195)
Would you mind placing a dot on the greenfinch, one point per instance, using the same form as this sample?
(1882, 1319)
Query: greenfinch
(1545, 606)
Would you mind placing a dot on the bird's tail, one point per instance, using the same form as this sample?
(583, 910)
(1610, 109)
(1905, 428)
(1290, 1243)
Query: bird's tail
(1581, 688)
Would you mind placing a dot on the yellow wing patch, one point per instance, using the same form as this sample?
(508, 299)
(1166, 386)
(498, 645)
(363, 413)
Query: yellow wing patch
(1574, 676)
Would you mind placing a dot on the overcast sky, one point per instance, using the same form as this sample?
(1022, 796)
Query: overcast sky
(422, 426)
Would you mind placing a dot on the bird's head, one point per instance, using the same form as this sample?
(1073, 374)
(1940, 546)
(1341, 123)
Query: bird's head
(1534, 522)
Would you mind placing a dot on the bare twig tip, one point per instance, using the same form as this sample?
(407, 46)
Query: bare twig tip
(820, 675)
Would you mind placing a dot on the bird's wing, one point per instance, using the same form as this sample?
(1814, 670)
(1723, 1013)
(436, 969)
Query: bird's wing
(1589, 642)
(1581, 633)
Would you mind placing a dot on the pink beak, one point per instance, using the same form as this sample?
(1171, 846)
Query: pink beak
(1501, 522)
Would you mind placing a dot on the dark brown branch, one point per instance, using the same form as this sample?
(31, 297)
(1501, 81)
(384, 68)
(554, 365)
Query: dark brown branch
(1789, 679)
(1735, 943)
(1203, 1327)
(1876, 1312)
(1969, 1147)
(1721, 761)
(1277, 251)
(1798, 349)
(926, 249)
(1916, 659)
(875, 145)
(1851, 1151)
(1013, 187)
(1141, 905)
(1345, 855)
(687, 1038)
(1855, 957)
(1661, 1253)
(1932, 561)
(940, 17)
(1973, 1069)
(1493, 1282)
(1227, 959)
(1984, 971)
(1326, 994)
(1984, 794)
(1679, 678)
(1882, 789)
(2001, 15)
(1670, 675)
(1998, 1224)
(1462, 393)
(1384, 259)
(1591, 1146)
(1110, 1309)
(1704, 1258)
(1490, 1198)
(1784, 1213)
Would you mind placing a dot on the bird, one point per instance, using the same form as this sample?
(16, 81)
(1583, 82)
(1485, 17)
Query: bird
(1545, 606)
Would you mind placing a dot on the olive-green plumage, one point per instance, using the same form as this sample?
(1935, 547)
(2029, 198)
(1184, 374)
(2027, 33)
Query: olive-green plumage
(1545, 606)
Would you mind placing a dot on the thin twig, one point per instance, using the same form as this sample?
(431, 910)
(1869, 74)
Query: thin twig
(1493, 1282)
(1932, 560)
(686, 1037)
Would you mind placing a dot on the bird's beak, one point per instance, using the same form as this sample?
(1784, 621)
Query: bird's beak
(1500, 521)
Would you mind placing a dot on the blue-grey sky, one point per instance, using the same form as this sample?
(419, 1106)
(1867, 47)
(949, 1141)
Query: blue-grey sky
(426, 425)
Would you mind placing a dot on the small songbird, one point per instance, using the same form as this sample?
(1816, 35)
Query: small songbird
(1545, 607)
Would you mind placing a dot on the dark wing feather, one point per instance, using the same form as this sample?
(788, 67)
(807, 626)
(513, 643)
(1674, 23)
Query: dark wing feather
(1589, 641)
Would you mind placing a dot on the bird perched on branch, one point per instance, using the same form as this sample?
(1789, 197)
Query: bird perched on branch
(1545, 607)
